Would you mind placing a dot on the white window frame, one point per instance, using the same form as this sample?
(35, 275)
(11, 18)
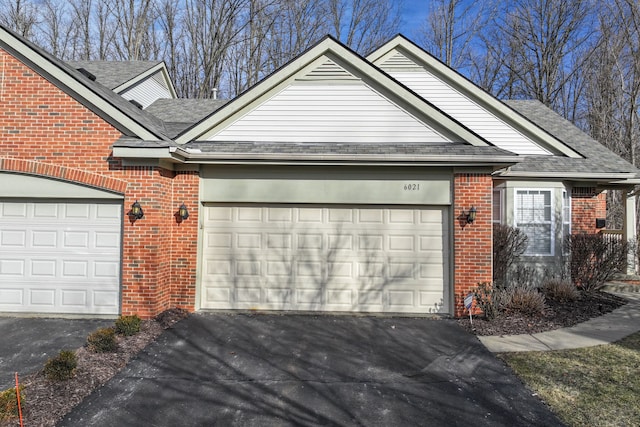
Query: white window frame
(566, 219)
(499, 194)
(551, 221)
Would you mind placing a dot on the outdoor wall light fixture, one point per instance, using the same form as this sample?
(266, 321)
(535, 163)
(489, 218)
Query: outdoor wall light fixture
(136, 210)
(471, 215)
(183, 213)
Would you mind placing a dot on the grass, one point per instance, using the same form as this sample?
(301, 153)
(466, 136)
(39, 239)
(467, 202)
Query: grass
(596, 386)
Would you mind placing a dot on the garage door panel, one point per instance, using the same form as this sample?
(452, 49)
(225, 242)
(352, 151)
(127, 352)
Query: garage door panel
(12, 297)
(67, 259)
(13, 210)
(310, 215)
(325, 258)
(13, 239)
(279, 241)
(43, 297)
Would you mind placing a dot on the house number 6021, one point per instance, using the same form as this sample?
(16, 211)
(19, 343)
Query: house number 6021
(412, 187)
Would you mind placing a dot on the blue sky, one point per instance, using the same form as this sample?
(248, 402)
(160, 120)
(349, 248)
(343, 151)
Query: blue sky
(413, 14)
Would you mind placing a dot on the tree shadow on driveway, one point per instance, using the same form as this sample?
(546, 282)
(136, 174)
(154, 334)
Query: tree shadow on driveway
(304, 370)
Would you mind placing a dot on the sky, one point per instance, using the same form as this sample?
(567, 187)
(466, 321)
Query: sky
(413, 14)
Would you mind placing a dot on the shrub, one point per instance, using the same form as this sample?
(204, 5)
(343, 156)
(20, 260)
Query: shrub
(560, 290)
(524, 300)
(594, 259)
(508, 244)
(9, 403)
(128, 325)
(103, 340)
(61, 367)
(488, 299)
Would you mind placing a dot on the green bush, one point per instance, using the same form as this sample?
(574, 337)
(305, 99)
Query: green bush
(103, 340)
(524, 300)
(560, 290)
(62, 366)
(9, 403)
(128, 325)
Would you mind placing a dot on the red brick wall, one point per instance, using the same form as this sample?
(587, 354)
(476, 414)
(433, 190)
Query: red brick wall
(184, 241)
(472, 243)
(586, 206)
(46, 132)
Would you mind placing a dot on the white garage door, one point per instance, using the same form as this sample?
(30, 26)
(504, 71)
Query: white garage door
(60, 257)
(283, 257)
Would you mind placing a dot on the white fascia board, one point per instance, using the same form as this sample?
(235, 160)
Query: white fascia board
(180, 155)
(161, 153)
(358, 66)
(75, 86)
(151, 71)
(502, 161)
(583, 176)
(466, 86)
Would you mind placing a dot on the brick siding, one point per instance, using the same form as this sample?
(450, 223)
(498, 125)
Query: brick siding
(47, 133)
(472, 243)
(586, 205)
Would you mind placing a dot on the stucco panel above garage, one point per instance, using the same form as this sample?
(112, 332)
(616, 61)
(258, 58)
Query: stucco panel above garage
(335, 185)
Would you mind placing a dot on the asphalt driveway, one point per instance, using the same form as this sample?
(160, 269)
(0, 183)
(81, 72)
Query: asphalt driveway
(27, 343)
(271, 370)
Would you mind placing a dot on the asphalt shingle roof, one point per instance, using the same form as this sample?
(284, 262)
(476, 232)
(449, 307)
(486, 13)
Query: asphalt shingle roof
(598, 158)
(179, 114)
(114, 73)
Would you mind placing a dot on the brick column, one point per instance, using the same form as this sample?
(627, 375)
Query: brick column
(472, 243)
(184, 241)
(586, 206)
(146, 248)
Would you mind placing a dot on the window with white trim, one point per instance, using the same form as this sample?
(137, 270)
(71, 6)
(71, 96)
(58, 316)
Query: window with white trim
(534, 216)
(498, 195)
(566, 220)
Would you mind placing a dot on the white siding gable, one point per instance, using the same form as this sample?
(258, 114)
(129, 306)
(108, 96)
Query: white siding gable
(459, 106)
(148, 91)
(329, 104)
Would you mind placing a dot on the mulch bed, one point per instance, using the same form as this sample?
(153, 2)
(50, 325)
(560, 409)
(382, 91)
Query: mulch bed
(557, 315)
(46, 402)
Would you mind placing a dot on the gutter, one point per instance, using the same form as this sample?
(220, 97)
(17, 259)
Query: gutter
(180, 155)
(585, 176)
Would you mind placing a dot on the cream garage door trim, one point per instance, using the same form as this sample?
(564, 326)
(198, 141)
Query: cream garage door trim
(60, 257)
(314, 258)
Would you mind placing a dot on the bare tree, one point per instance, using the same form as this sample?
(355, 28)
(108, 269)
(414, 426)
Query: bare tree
(169, 18)
(211, 28)
(542, 35)
(134, 25)
(363, 24)
(612, 95)
(451, 28)
(57, 28)
(20, 16)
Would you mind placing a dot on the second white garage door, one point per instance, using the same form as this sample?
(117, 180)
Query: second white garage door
(346, 258)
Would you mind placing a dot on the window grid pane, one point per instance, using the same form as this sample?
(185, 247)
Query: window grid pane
(534, 218)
